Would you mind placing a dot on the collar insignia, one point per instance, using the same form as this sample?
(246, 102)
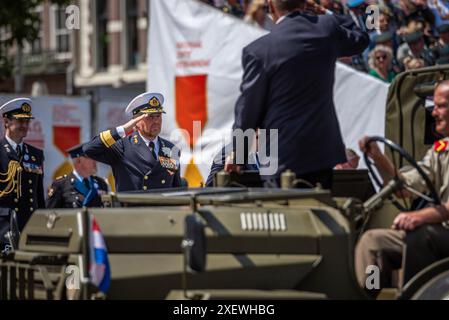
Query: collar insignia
(440, 146)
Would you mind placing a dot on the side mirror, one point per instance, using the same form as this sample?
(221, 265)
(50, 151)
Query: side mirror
(194, 243)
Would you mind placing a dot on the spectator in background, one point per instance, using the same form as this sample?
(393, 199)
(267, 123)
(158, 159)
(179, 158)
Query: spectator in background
(386, 39)
(380, 63)
(414, 46)
(440, 11)
(257, 15)
(357, 12)
(443, 37)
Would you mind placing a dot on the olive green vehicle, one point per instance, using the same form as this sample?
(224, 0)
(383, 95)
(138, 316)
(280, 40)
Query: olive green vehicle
(232, 242)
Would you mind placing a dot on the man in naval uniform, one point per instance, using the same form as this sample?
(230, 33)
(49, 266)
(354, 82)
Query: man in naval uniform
(21, 169)
(79, 188)
(141, 160)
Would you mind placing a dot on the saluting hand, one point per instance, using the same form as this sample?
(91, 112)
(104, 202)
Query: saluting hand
(314, 7)
(132, 123)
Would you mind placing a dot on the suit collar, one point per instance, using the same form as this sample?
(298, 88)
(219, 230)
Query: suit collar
(288, 16)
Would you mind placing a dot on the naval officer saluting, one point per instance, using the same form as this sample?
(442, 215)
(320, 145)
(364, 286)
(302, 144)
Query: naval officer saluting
(141, 160)
(81, 187)
(21, 168)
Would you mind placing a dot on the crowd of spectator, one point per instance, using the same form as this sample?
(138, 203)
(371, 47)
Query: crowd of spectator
(408, 34)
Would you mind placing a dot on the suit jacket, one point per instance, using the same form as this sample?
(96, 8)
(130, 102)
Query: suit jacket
(64, 194)
(132, 164)
(288, 84)
(31, 195)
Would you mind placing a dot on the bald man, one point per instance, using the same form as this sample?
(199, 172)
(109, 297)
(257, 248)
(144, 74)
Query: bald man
(426, 229)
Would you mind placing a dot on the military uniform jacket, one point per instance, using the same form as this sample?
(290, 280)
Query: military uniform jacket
(64, 194)
(132, 164)
(21, 181)
(436, 166)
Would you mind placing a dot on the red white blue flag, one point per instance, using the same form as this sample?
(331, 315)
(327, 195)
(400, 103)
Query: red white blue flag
(99, 270)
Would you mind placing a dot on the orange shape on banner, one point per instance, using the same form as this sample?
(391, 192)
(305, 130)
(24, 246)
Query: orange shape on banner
(191, 103)
(66, 137)
(193, 175)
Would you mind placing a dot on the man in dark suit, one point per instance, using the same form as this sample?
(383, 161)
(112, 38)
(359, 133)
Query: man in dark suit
(21, 169)
(287, 85)
(81, 187)
(142, 160)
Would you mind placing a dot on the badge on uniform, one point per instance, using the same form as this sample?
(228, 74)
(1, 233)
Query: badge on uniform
(440, 145)
(168, 163)
(166, 151)
(51, 191)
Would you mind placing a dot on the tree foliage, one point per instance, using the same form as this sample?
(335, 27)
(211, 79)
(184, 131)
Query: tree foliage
(19, 22)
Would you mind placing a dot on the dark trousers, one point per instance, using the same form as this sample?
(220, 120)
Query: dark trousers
(424, 246)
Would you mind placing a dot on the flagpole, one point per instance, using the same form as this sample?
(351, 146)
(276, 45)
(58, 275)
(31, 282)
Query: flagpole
(86, 253)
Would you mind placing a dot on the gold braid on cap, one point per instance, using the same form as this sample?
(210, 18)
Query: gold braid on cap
(14, 169)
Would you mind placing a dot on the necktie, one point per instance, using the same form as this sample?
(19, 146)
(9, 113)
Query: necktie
(151, 146)
(86, 183)
(19, 151)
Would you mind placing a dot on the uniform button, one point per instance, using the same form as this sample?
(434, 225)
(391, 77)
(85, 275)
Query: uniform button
(146, 177)
(31, 208)
(30, 181)
(16, 200)
(31, 200)
(163, 181)
(16, 209)
(145, 188)
(77, 198)
(31, 190)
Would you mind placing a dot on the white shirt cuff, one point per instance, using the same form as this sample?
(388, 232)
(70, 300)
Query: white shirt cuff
(121, 131)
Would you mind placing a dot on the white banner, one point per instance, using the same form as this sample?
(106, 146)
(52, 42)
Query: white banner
(194, 59)
(60, 123)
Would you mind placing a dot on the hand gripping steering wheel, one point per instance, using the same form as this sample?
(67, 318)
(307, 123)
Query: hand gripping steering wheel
(397, 183)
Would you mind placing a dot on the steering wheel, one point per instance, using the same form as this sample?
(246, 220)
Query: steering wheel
(433, 198)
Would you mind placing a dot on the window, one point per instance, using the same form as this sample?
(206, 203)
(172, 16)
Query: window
(132, 33)
(62, 34)
(102, 34)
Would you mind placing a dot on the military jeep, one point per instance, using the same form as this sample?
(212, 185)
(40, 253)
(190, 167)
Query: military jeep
(232, 242)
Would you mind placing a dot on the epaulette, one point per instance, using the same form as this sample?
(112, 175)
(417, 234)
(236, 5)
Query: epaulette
(61, 177)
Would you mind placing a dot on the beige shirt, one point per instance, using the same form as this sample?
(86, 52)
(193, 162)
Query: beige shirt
(436, 165)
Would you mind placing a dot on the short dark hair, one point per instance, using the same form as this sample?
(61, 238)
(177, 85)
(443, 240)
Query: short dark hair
(288, 5)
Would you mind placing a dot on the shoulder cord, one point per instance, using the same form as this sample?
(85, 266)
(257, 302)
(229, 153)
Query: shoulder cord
(14, 169)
